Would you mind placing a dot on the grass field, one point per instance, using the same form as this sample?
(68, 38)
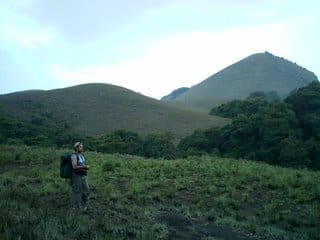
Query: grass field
(96, 109)
(136, 198)
(258, 72)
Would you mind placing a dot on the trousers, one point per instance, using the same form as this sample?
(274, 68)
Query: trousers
(80, 191)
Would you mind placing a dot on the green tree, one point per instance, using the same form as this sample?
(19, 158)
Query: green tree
(293, 153)
(195, 144)
(276, 123)
(249, 106)
(239, 137)
(305, 102)
(285, 133)
(230, 109)
(121, 141)
(313, 147)
(159, 146)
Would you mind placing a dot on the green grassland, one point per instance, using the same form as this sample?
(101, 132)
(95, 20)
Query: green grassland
(133, 198)
(95, 109)
(258, 72)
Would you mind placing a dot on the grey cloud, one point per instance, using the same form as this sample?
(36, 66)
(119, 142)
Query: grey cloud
(82, 20)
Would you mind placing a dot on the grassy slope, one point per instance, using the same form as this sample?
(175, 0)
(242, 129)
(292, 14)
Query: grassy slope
(94, 109)
(128, 194)
(258, 72)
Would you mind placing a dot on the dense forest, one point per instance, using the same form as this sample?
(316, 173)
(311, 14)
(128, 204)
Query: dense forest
(285, 133)
(264, 128)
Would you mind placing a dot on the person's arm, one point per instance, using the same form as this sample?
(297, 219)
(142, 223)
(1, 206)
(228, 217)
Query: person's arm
(74, 163)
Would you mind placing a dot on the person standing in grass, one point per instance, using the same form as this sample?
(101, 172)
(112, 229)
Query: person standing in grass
(80, 187)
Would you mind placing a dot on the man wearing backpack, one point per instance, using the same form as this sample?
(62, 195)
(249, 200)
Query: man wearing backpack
(80, 187)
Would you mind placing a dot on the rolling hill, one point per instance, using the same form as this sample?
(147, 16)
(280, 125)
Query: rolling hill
(94, 109)
(175, 93)
(258, 72)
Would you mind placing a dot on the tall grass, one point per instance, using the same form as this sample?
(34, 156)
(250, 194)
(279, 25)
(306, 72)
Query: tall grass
(128, 193)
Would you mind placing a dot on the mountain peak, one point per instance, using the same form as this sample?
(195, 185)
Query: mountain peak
(258, 72)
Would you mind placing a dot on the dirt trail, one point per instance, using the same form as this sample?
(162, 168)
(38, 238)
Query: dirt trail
(181, 228)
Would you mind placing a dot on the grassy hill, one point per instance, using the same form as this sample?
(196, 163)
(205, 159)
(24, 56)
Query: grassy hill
(136, 198)
(94, 109)
(175, 93)
(258, 72)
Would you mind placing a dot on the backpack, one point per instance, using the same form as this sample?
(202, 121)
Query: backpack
(65, 165)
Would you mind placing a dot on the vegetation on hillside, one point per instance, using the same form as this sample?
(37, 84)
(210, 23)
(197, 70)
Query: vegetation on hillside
(248, 106)
(257, 72)
(19, 132)
(136, 198)
(285, 132)
(174, 94)
(96, 109)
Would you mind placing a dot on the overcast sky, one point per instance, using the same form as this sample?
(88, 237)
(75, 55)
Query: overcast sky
(149, 46)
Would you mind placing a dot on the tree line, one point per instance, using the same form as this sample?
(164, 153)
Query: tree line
(264, 128)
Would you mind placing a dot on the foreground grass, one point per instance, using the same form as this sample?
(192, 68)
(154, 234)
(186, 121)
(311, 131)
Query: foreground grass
(129, 193)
